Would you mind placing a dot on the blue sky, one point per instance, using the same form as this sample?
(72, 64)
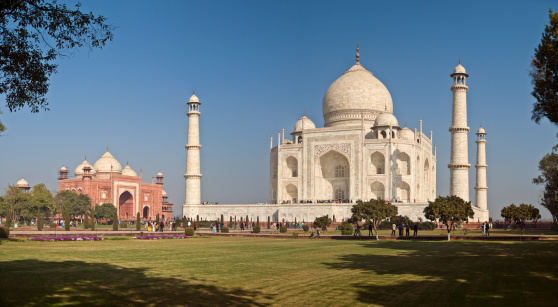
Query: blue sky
(258, 65)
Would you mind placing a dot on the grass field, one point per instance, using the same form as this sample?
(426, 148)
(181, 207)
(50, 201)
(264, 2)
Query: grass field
(225, 271)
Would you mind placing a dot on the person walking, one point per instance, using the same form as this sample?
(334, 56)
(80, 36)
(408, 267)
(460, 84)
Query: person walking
(487, 228)
(407, 229)
(482, 229)
(195, 226)
(358, 230)
(415, 230)
(393, 229)
(400, 229)
(370, 228)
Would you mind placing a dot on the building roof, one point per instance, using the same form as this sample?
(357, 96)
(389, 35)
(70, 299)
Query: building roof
(22, 183)
(459, 69)
(308, 124)
(79, 169)
(128, 171)
(386, 119)
(103, 165)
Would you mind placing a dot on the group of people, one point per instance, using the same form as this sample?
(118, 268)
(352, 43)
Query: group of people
(485, 228)
(154, 227)
(400, 226)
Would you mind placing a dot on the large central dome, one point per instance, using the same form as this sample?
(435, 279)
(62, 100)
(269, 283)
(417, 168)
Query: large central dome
(355, 94)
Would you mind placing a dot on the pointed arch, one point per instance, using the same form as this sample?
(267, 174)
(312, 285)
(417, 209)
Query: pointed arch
(403, 192)
(377, 190)
(403, 164)
(378, 164)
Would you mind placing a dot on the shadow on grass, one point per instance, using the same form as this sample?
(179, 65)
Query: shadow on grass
(40, 283)
(455, 273)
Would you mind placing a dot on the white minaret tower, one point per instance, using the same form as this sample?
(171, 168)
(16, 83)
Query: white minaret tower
(481, 188)
(459, 161)
(193, 175)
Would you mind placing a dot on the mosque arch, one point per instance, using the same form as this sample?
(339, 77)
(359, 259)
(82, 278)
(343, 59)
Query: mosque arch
(292, 192)
(145, 212)
(332, 173)
(126, 205)
(377, 190)
(378, 166)
(403, 164)
(403, 192)
(290, 168)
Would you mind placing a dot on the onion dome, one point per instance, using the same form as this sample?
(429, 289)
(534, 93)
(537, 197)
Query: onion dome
(164, 194)
(79, 168)
(128, 171)
(406, 134)
(355, 94)
(194, 98)
(481, 130)
(159, 175)
(386, 119)
(105, 162)
(459, 69)
(304, 123)
(22, 183)
(63, 169)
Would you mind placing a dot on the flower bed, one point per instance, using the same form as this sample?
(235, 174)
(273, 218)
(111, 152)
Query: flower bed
(160, 237)
(68, 238)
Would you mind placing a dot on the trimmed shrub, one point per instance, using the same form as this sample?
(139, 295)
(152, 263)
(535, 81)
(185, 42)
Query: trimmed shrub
(384, 225)
(157, 219)
(427, 226)
(346, 228)
(256, 229)
(225, 230)
(554, 227)
(138, 222)
(67, 221)
(268, 223)
(115, 221)
(124, 225)
(283, 229)
(189, 231)
(40, 222)
(92, 224)
(305, 228)
(85, 220)
(295, 235)
(4, 233)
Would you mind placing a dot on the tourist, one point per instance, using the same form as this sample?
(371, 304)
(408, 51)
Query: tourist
(195, 226)
(189, 224)
(400, 226)
(213, 229)
(393, 229)
(370, 228)
(487, 228)
(162, 226)
(407, 228)
(482, 228)
(415, 230)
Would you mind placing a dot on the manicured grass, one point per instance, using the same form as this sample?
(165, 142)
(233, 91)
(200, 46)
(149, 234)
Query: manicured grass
(228, 271)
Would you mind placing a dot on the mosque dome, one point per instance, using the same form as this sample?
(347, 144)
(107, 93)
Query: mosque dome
(304, 122)
(459, 69)
(386, 119)
(22, 183)
(159, 174)
(128, 171)
(194, 98)
(164, 194)
(63, 169)
(406, 134)
(355, 94)
(79, 168)
(481, 130)
(103, 165)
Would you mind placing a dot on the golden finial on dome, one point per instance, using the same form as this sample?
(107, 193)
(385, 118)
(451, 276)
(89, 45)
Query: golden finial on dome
(304, 113)
(357, 55)
(459, 60)
(107, 147)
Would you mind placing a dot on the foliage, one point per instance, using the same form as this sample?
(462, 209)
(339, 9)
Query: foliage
(427, 226)
(67, 220)
(449, 210)
(52, 226)
(115, 221)
(544, 73)
(41, 200)
(268, 222)
(91, 214)
(68, 238)
(4, 232)
(26, 26)
(305, 228)
(520, 214)
(295, 235)
(225, 229)
(346, 228)
(256, 229)
(40, 221)
(283, 229)
(322, 222)
(76, 204)
(384, 225)
(157, 219)
(138, 222)
(105, 211)
(375, 211)
(15, 203)
(402, 219)
(189, 231)
(124, 225)
(549, 179)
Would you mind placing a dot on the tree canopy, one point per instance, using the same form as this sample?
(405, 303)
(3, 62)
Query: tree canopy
(33, 34)
(520, 214)
(105, 211)
(15, 203)
(374, 211)
(544, 73)
(41, 200)
(549, 179)
(449, 210)
(322, 222)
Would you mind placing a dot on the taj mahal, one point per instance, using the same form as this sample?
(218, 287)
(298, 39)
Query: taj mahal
(362, 152)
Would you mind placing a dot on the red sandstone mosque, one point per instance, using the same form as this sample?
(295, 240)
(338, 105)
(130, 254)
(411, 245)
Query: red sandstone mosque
(107, 182)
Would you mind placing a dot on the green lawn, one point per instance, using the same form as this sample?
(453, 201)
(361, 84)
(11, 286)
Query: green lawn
(224, 271)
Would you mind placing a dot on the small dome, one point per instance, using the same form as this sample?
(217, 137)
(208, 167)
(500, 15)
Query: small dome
(386, 119)
(22, 183)
(63, 169)
(103, 165)
(128, 171)
(459, 69)
(79, 168)
(164, 193)
(308, 124)
(406, 134)
(481, 130)
(159, 174)
(194, 98)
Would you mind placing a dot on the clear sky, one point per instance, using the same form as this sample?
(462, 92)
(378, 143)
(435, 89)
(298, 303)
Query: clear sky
(258, 65)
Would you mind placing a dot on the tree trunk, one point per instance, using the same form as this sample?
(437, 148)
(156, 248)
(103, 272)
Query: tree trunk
(448, 236)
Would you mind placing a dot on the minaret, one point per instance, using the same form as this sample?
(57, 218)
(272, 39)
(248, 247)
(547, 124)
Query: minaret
(459, 161)
(481, 188)
(193, 175)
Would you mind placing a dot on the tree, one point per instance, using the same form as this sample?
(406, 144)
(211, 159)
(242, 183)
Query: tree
(322, 222)
(549, 179)
(86, 220)
(16, 203)
(26, 26)
(115, 221)
(449, 210)
(64, 200)
(105, 211)
(67, 220)
(138, 222)
(93, 220)
(41, 200)
(544, 73)
(520, 214)
(81, 204)
(373, 211)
